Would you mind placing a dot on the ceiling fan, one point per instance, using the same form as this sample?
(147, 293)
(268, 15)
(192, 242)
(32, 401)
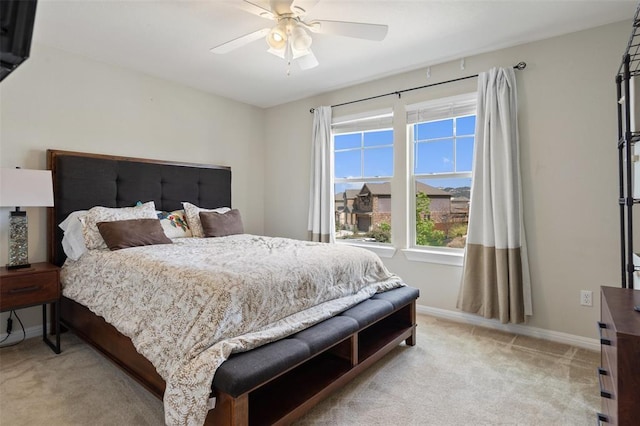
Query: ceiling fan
(290, 37)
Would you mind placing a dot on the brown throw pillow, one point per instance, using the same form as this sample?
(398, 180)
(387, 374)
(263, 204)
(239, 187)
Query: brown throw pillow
(221, 224)
(132, 233)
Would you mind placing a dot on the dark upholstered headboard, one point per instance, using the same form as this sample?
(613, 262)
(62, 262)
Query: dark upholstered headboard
(82, 181)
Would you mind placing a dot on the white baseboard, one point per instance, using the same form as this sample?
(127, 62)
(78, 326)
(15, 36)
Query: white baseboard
(16, 333)
(525, 330)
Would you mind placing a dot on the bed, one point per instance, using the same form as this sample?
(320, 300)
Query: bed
(301, 355)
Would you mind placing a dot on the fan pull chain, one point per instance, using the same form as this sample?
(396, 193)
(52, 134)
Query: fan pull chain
(288, 53)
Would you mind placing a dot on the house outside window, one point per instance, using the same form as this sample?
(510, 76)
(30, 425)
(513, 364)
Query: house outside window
(441, 134)
(363, 159)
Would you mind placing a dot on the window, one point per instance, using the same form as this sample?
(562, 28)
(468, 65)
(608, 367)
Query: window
(430, 166)
(441, 134)
(363, 162)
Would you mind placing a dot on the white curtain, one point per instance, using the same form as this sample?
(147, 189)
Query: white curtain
(321, 203)
(495, 279)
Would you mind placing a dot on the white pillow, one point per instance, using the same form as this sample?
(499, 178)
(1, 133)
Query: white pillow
(92, 237)
(192, 213)
(73, 240)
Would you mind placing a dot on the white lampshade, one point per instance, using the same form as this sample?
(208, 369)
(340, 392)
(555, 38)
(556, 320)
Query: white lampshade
(26, 188)
(300, 40)
(277, 37)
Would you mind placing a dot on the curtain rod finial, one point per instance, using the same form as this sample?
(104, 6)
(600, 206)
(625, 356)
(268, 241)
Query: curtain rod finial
(312, 110)
(521, 65)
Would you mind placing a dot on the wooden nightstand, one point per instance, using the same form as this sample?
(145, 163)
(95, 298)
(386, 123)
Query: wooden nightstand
(37, 285)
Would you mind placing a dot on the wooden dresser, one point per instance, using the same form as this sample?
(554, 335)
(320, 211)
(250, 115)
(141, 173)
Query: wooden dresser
(619, 374)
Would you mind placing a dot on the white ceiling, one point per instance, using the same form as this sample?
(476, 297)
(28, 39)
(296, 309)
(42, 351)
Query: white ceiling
(171, 39)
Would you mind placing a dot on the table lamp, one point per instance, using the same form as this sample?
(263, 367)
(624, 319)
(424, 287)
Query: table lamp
(23, 188)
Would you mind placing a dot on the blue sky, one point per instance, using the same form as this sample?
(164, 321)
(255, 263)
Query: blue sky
(436, 152)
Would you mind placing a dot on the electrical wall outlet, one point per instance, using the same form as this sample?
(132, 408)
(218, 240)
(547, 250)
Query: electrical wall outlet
(586, 297)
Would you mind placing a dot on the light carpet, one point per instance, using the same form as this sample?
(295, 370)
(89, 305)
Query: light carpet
(457, 374)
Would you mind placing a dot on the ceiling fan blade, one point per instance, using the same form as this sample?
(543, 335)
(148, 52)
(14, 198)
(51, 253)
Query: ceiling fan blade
(375, 32)
(302, 7)
(307, 61)
(279, 53)
(280, 7)
(257, 7)
(240, 41)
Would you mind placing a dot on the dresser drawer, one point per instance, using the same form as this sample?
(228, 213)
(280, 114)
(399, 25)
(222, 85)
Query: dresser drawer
(619, 330)
(27, 290)
(609, 360)
(607, 334)
(606, 383)
(610, 412)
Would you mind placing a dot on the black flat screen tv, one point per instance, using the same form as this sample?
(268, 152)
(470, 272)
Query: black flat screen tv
(16, 29)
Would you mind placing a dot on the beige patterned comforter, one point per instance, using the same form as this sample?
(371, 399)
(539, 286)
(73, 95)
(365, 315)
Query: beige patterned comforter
(187, 306)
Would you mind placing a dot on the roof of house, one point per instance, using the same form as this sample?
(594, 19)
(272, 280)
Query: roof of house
(431, 190)
(376, 188)
(385, 189)
(460, 200)
(352, 193)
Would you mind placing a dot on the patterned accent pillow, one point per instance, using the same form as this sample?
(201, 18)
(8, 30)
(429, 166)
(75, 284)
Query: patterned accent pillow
(174, 224)
(92, 237)
(192, 213)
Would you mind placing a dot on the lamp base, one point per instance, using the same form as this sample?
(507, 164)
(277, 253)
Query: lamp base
(24, 265)
(18, 240)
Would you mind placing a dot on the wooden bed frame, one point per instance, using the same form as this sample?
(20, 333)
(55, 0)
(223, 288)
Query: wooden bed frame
(321, 375)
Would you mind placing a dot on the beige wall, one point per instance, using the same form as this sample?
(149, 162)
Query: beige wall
(567, 127)
(64, 101)
(569, 168)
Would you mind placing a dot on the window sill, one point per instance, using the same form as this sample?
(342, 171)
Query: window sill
(454, 258)
(379, 249)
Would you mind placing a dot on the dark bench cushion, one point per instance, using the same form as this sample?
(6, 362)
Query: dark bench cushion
(244, 371)
(369, 311)
(399, 296)
(327, 333)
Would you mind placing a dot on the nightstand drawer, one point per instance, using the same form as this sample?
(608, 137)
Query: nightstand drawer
(29, 289)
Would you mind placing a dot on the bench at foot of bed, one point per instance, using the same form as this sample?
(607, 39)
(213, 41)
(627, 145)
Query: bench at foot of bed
(279, 382)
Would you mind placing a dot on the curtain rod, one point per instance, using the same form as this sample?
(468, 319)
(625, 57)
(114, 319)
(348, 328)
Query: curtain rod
(519, 66)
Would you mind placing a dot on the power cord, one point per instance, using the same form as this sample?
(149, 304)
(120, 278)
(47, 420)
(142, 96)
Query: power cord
(9, 329)
(9, 326)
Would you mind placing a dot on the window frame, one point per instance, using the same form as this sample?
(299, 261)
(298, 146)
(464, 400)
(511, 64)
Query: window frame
(381, 120)
(439, 109)
(403, 181)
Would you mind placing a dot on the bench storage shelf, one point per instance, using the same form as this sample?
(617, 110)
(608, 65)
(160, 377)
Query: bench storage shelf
(340, 348)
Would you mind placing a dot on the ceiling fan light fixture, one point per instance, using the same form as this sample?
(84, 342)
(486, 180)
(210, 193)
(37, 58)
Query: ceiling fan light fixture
(277, 37)
(291, 36)
(300, 39)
